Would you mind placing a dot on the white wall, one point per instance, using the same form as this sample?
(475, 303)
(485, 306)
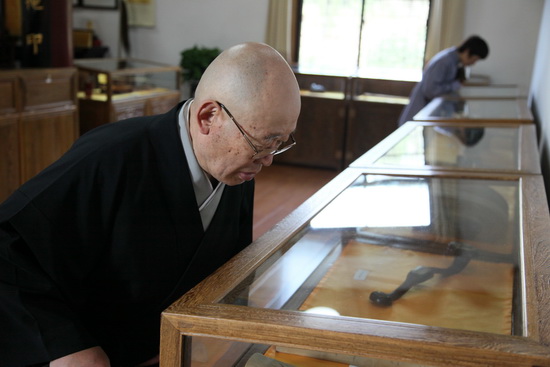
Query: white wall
(511, 29)
(540, 88)
(181, 24)
(540, 93)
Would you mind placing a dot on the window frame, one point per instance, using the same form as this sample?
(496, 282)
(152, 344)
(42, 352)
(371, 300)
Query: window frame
(297, 28)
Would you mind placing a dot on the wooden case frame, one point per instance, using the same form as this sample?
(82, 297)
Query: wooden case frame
(199, 313)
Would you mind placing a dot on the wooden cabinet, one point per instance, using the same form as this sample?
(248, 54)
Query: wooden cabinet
(9, 90)
(322, 123)
(370, 121)
(9, 159)
(375, 107)
(44, 137)
(115, 89)
(343, 117)
(320, 133)
(38, 122)
(43, 89)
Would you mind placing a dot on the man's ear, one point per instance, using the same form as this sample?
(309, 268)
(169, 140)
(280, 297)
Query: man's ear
(205, 116)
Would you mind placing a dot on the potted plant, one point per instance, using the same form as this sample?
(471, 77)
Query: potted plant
(194, 62)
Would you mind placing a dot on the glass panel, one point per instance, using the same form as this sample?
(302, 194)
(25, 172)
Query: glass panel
(210, 352)
(329, 36)
(479, 92)
(382, 39)
(484, 148)
(472, 109)
(393, 39)
(125, 78)
(206, 351)
(112, 65)
(431, 251)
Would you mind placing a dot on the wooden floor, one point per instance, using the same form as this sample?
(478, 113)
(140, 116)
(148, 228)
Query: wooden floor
(282, 188)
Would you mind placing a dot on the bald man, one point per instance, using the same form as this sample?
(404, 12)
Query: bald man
(136, 213)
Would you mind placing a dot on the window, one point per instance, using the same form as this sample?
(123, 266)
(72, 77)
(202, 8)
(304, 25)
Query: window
(382, 39)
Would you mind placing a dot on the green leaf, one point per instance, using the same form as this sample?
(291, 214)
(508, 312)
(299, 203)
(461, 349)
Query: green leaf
(195, 60)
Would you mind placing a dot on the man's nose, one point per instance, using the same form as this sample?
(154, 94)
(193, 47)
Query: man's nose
(265, 161)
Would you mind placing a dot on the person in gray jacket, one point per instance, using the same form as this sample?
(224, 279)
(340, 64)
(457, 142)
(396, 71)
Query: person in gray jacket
(444, 74)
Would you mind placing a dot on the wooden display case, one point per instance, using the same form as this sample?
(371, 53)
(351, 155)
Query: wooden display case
(38, 122)
(343, 117)
(114, 89)
(382, 268)
(476, 110)
(457, 146)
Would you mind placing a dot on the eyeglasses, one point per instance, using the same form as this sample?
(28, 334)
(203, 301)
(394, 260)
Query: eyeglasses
(260, 152)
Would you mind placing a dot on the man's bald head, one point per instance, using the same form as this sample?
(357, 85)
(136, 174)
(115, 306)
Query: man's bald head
(257, 85)
(251, 74)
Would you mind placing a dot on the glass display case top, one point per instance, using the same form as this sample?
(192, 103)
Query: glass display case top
(489, 91)
(423, 250)
(118, 65)
(474, 109)
(116, 79)
(479, 148)
(478, 80)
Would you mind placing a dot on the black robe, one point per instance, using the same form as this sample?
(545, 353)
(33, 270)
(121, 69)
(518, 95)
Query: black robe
(98, 244)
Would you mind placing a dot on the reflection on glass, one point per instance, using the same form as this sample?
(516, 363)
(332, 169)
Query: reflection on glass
(321, 310)
(207, 351)
(486, 148)
(409, 152)
(477, 109)
(353, 208)
(453, 261)
(488, 92)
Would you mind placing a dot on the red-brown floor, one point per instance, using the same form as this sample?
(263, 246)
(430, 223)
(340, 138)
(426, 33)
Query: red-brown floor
(282, 188)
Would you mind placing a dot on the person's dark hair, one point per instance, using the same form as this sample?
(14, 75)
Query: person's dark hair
(475, 46)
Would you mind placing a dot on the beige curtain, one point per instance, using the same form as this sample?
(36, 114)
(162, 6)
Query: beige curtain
(279, 27)
(445, 27)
